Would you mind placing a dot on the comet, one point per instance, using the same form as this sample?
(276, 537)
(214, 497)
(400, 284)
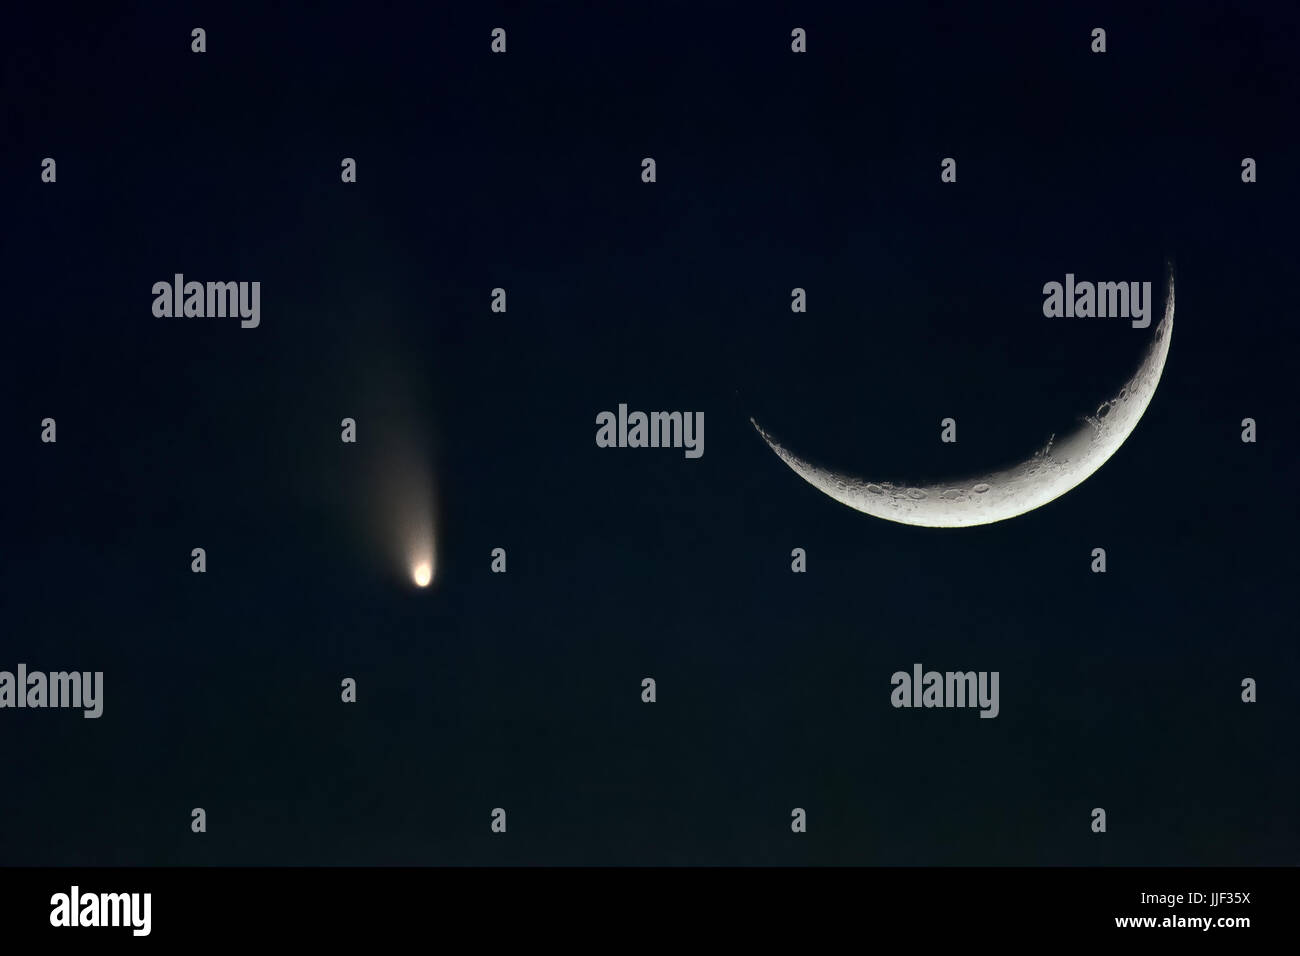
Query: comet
(422, 574)
(417, 534)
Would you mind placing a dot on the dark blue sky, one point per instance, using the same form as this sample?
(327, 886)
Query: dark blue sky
(522, 690)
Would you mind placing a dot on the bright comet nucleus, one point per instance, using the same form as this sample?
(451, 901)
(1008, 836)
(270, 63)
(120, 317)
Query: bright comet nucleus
(423, 574)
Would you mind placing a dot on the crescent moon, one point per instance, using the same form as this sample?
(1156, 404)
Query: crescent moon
(995, 496)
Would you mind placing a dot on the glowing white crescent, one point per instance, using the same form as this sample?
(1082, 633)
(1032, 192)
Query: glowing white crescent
(996, 496)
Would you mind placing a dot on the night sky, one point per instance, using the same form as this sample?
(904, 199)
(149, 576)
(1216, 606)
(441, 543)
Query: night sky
(523, 690)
